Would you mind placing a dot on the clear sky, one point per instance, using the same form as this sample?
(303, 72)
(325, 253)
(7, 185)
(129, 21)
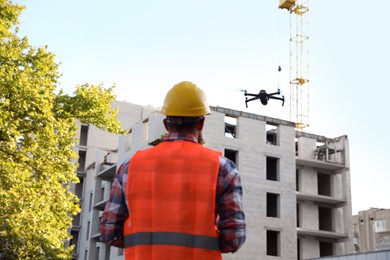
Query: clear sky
(145, 47)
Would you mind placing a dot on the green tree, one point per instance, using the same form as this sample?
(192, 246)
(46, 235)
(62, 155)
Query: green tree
(37, 136)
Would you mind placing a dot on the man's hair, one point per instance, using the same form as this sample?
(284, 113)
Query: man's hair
(182, 123)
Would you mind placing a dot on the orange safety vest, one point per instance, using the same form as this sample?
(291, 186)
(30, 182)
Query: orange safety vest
(171, 194)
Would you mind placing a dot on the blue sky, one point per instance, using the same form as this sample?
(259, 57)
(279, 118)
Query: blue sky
(145, 47)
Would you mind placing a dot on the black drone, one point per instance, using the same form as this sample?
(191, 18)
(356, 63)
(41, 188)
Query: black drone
(263, 96)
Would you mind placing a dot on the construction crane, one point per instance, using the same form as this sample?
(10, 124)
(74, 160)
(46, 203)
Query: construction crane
(299, 61)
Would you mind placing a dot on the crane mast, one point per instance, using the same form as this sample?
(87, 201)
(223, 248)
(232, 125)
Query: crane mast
(299, 61)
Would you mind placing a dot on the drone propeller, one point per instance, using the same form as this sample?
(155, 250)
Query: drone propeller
(244, 90)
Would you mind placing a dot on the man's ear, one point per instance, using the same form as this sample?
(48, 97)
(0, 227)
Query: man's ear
(166, 125)
(200, 125)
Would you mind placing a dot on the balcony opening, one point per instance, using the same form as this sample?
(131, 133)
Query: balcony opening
(324, 184)
(231, 155)
(272, 134)
(79, 187)
(325, 219)
(230, 126)
(272, 205)
(298, 215)
(273, 243)
(326, 249)
(84, 135)
(320, 152)
(272, 168)
(76, 221)
(74, 241)
(81, 161)
(330, 151)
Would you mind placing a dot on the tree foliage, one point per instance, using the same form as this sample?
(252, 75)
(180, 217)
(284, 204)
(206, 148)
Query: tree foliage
(37, 137)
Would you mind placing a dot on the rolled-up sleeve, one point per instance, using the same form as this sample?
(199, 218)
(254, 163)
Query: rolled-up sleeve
(231, 218)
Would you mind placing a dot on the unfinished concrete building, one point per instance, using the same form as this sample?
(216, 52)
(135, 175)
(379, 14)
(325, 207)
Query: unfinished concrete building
(371, 230)
(296, 185)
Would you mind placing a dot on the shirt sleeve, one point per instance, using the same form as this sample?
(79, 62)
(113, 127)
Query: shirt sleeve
(115, 212)
(231, 218)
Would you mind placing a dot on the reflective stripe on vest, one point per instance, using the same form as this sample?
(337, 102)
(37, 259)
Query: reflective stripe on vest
(171, 238)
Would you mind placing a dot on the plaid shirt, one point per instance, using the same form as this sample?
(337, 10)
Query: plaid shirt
(229, 209)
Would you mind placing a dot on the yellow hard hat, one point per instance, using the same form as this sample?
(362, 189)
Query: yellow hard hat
(185, 99)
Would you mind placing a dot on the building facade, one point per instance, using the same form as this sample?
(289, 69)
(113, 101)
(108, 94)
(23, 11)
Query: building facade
(371, 230)
(297, 197)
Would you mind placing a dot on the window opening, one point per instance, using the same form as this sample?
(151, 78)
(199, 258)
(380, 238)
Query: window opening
(298, 249)
(272, 134)
(88, 227)
(230, 126)
(272, 168)
(272, 205)
(273, 243)
(231, 155)
(90, 201)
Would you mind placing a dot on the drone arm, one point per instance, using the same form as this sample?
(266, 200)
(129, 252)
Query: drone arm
(278, 98)
(249, 100)
(252, 95)
(274, 93)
